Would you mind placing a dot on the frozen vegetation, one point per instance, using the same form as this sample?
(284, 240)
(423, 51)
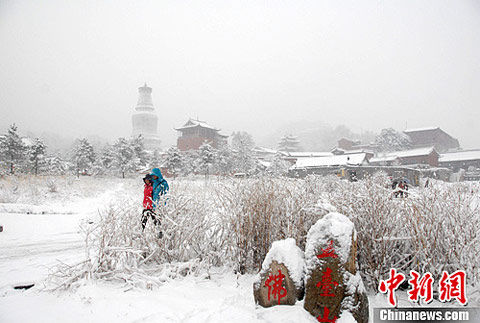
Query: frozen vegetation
(218, 233)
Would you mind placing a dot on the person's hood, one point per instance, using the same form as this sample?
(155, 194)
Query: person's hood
(157, 172)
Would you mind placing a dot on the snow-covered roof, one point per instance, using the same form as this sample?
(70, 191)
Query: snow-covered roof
(352, 151)
(304, 154)
(264, 150)
(380, 159)
(459, 156)
(421, 129)
(334, 160)
(407, 153)
(192, 123)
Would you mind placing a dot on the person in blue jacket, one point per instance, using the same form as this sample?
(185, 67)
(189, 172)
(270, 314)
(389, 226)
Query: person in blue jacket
(160, 186)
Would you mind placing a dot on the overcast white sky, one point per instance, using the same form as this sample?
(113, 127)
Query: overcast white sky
(73, 67)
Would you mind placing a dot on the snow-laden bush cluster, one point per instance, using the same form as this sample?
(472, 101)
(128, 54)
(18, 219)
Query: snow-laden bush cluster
(233, 223)
(434, 229)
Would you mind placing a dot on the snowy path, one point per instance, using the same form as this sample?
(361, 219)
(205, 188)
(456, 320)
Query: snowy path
(31, 244)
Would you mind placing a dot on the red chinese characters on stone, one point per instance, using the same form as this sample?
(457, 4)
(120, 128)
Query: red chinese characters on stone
(453, 286)
(325, 318)
(275, 286)
(328, 252)
(327, 284)
(422, 288)
(390, 285)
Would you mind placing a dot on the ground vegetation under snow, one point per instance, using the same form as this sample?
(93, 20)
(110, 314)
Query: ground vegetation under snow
(231, 224)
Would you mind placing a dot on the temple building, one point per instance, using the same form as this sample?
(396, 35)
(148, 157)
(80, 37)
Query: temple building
(195, 132)
(289, 143)
(145, 119)
(432, 136)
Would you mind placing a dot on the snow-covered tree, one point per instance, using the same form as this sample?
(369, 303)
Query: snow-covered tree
(138, 144)
(207, 157)
(125, 159)
(289, 143)
(242, 140)
(224, 160)
(55, 165)
(174, 161)
(36, 155)
(190, 165)
(279, 166)
(104, 163)
(392, 140)
(244, 160)
(155, 159)
(12, 149)
(83, 156)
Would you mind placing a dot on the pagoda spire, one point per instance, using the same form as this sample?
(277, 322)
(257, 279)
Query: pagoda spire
(145, 102)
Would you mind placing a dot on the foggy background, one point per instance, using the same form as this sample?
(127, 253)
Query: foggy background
(267, 67)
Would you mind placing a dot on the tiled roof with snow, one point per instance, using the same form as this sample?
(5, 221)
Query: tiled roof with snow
(407, 153)
(421, 129)
(356, 151)
(304, 154)
(459, 156)
(265, 150)
(380, 159)
(191, 123)
(334, 160)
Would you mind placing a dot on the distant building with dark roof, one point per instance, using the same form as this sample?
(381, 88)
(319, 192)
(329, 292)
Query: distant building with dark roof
(347, 144)
(331, 161)
(432, 136)
(416, 156)
(460, 160)
(195, 132)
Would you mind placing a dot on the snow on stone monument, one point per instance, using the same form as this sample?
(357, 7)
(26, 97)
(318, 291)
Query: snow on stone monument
(333, 287)
(145, 119)
(280, 281)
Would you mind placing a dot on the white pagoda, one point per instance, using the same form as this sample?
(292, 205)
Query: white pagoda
(145, 119)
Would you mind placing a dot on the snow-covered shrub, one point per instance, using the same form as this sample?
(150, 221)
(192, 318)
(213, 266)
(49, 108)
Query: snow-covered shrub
(444, 222)
(233, 222)
(8, 190)
(52, 185)
(434, 229)
(380, 221)
(262, 210)
(193, 239)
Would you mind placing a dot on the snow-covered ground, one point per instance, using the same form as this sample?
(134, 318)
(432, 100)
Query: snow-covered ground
(32, 244)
